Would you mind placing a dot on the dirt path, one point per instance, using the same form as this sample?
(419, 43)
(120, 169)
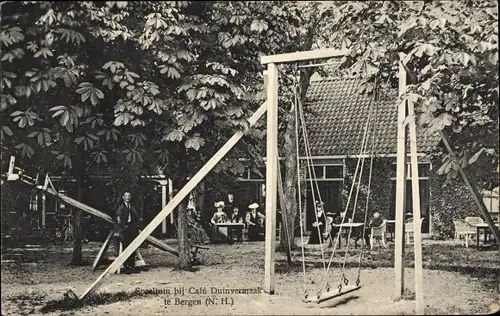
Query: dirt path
(236, 267)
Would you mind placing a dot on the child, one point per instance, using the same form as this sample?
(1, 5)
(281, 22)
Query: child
(238, 230)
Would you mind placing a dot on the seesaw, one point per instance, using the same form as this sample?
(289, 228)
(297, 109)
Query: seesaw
(14, 173)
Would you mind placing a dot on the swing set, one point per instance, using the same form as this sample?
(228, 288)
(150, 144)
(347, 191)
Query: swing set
(343, 285)
(272, 179)
(273, 185)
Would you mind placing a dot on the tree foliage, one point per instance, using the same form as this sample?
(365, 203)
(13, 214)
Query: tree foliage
(133, 81)
(451, 55)
(130, 87)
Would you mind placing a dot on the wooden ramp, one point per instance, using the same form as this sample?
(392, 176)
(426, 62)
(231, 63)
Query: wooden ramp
(332, 294)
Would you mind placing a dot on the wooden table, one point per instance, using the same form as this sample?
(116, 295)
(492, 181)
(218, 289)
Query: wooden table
(230, 227)
(485, 228)
(355, 231)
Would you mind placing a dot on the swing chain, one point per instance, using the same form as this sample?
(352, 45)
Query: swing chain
(328, 287)
(305, 294)
(358, 281)
(319, 294)
(340, 287)
(346, 281)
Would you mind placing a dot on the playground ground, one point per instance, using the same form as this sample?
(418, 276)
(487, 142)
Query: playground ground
(34, 282)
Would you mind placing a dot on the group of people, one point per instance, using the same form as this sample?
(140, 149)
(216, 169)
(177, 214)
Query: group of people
(129, 220)
(324, 229)
(254, 221)
(226, 212)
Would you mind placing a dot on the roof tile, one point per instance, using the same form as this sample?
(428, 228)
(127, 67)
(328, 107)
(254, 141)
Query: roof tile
(336, 118)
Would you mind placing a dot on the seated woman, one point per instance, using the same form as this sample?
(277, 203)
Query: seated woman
(219, 217)
(375, 221)
(254, 222)
(196, 234)
(318, 226)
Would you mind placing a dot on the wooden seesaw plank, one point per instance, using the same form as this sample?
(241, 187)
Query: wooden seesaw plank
(150, 239)
(332, 294)
(102, 251)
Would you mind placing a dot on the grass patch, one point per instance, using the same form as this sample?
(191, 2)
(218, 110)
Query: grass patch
(408, 295)
(67, 303)
(27, 302)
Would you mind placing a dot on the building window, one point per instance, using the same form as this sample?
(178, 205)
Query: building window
(319, 172)
(334, 172)
(327, 172)
(423, 170)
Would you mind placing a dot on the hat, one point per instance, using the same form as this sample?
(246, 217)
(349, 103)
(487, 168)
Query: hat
(254, 205)
(219, 204)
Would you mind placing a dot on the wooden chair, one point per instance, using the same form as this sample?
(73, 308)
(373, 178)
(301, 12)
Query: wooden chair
(378, 233)
(463, 229)
(474, 220)
(328, 229)
(409, 232)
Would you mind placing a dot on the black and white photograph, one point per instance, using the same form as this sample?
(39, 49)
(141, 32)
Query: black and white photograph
(249, 158)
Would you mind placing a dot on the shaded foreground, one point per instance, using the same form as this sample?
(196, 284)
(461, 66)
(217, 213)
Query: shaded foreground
(37, 285)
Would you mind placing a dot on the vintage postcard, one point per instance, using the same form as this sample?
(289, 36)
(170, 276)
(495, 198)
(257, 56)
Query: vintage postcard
(249, 157)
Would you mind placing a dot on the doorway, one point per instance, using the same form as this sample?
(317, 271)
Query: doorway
(330, 192)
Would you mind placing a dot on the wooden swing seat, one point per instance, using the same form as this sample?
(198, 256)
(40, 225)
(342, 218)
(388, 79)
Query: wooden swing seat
(332, 294)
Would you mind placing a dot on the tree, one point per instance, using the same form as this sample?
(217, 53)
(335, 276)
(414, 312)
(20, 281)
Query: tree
(451, 56)
(129, 86)
(110, 110)
(450, 52)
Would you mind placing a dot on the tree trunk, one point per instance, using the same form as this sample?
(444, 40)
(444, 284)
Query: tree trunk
(182, 236)
(77, 259)
(76, 218)
(290, 184)
(291, 151)
(76, 223)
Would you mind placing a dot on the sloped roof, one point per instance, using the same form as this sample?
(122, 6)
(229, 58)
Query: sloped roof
(337, 117)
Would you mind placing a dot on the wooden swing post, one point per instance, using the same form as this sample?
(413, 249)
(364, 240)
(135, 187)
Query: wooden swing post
(406, 114)
(417, 227)
(271, 175)
(400, 187)
(272, 147)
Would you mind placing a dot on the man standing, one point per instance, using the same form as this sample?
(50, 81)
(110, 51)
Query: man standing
(128, 220)
(229, 205)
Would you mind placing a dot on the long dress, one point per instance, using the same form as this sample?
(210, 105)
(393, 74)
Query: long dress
(196, 234)
(255, 229)
(218, 217)
(315, 238)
